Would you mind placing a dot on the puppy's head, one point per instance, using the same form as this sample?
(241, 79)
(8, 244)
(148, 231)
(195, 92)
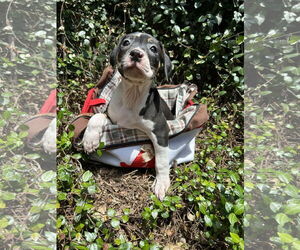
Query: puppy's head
(139, 57)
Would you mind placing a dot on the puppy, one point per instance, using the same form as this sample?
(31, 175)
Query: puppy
(136, 104)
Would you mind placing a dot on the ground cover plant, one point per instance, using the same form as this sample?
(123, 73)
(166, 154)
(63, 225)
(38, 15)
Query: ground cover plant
(272, 125)
(111, 208)
(27, 74)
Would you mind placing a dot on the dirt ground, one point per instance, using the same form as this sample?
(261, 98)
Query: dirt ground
(121, 188)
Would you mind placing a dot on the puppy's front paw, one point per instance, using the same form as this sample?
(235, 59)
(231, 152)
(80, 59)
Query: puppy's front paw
(160, 186)
(93, 132)
(49, 138)
(91, 140)
(49, 144)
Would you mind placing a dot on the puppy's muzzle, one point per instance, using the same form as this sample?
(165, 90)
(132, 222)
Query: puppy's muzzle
(136, 55)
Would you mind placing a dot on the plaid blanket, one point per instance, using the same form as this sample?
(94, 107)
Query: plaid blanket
(187, 116)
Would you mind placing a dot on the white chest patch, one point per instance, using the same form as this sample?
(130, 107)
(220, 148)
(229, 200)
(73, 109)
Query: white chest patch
(125, 105)
(121, 115)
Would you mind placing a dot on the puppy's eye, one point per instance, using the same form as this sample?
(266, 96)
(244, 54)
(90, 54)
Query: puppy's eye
(126, 43)
(153, 49)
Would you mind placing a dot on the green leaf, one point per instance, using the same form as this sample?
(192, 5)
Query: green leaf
(165, 214)
(296, 244)
(48, 176)
(37, 227)
(221, 93)
(50, 236)
(8, 196)
(115, 223)
(126, 211)
(3, 223)
(125, 218)
(76, 156)
(219, 18)
(260, 18)
(296, 7)
(248, 186)
(239, 40)
(238, 208)
(41, 34)
(207, 220)
(232, 218)
(81, 33)
(285, 238)
(61, 196)
(154, 247)
(235, 238)
(176, 29)
(92, 189)
(118, 242)
(228, 206)
(292, 208)
(190, 77)
(284, 177)
(285, 107)
(157, 18)
(2, 204)
(90, 237)
(266, 92)
(33, 156)
(35, 209)
(111, 212)
(23, 134)
(87, 176)
(154, 213)
(6, 115)
(203, 207)
(99, 152)
(292, 191)
(275, 206)
(234, 177)
(93, 247)
(201, 19)
(282, 218)
(294, 39)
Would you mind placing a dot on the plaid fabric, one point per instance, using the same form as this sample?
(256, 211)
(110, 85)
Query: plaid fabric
(115, 136)
(106, 92)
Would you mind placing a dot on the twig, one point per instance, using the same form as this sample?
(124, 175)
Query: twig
(9, 24)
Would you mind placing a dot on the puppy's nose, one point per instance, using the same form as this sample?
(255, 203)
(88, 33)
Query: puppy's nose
(136, 55)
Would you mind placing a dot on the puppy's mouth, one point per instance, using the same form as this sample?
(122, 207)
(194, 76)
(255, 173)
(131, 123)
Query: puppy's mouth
(135, 71)
(137, 66)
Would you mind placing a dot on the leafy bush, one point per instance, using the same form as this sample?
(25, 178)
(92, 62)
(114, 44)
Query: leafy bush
(204, 40)
(28, 179)
(271, 147)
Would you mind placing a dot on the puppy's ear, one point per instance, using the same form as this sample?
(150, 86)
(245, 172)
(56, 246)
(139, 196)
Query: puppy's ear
(113, 57)
(167, 64)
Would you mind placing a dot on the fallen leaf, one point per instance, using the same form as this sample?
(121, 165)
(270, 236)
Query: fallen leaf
(102, 209)
(169, 232)
(190, 216)
(172, 247)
